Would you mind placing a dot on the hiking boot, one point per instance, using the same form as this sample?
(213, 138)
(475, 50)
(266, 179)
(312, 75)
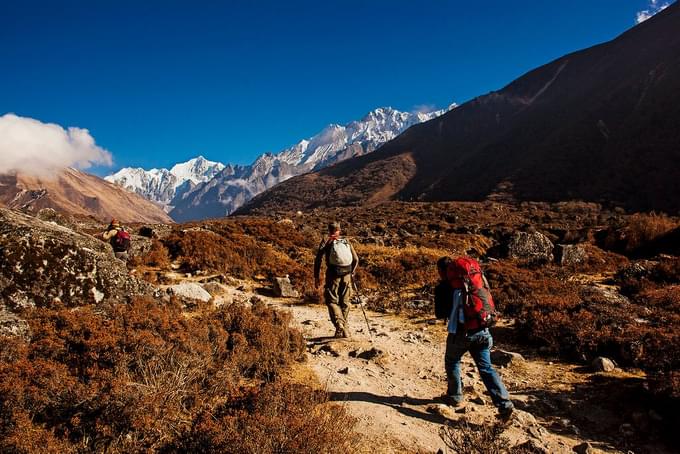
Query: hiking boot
(344, 333)
(450, 400)
(504, 413)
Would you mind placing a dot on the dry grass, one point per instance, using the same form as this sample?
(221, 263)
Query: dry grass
(143, 377)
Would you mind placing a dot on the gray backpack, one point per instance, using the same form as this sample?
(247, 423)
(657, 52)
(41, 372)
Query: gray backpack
(340, 254)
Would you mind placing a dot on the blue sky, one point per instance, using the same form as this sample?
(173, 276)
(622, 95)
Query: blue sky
(157, 82)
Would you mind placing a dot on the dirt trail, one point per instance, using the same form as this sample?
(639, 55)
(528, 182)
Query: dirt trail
(391, 382)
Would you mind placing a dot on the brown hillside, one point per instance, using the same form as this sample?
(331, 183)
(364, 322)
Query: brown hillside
(600, 125)
(77, 193)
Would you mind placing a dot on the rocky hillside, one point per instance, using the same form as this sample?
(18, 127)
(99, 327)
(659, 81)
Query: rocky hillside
(600, 124)
(74, 192)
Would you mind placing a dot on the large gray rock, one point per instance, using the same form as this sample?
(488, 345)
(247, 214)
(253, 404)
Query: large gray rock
(191, 291)
(284, 289)
(533, 246)
(570, 254)
(42, 261)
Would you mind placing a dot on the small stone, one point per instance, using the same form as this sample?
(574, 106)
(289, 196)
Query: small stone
(441, 410)
(504, 358)
(602, 364)
(524, 419)
(344, 370)
(533, 446)
(284, 289)
(190, 290)
(584, 448)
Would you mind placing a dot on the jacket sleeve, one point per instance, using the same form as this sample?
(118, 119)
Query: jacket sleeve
(317, 260)
(109, 234)
(443, 300)
(355, 258)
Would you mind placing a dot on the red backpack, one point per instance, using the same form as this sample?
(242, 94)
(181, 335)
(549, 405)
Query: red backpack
(121, 241)
(479, 310)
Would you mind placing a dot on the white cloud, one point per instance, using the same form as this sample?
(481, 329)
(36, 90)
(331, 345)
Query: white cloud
(654, 7)
(31, 146)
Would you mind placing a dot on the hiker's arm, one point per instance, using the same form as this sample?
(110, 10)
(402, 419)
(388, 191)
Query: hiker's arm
(317, 264)
(355, 258)
(109, 234)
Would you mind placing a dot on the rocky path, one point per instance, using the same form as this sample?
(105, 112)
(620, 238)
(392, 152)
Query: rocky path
(390, 382)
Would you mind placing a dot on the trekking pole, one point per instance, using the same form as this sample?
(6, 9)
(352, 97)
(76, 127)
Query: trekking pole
(361, 304)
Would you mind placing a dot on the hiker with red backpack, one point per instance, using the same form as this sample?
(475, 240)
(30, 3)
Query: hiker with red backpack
(119, 238)
(463, 297)
(341, 261)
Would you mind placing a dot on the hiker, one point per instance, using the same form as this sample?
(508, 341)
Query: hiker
(462, 297)
(341, 261)
(119, 239)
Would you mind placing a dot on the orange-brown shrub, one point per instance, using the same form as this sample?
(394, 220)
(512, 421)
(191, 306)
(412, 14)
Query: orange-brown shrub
(639, 233)
(157, 256)
(145, 376)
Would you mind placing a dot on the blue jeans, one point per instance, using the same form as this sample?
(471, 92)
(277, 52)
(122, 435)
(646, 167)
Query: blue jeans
(479, 345)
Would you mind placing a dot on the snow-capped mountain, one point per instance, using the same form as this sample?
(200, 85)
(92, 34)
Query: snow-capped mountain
(235, 185)
(199, 188)
(163, 185)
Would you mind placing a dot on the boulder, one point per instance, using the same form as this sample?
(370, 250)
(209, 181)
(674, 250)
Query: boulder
(602, 364)
(51, 215)
(41, 261)
(284, 289)
(504, 358)
(570, 254)
(191, 291)
(215, 288)
(532, 246)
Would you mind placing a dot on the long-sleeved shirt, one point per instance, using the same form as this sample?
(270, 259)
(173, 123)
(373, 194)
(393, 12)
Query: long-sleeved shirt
(110, 233)
(324, 252)
(456, 318)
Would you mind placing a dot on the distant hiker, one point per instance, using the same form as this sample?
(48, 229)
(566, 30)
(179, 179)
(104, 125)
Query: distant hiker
(341, 261)
(463, 298)
(119, 238)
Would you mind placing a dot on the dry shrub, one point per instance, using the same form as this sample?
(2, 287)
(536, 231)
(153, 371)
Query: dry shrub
(279, 419)
(398, 268)
(157, 257)
(236, 254)
(464, 437)
(640, 234)
(145, 376)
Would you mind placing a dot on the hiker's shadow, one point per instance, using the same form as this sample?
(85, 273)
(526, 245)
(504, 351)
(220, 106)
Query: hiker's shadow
(395, 402)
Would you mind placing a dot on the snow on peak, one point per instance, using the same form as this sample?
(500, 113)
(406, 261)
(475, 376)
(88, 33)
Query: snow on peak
(200, 188)
(161, 185)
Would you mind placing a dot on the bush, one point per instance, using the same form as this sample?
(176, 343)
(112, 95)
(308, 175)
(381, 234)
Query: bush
(145, 376)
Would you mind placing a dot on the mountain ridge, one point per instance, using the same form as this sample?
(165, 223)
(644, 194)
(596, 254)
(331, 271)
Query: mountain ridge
(226, 189)
(77, 193)
(599, 124)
